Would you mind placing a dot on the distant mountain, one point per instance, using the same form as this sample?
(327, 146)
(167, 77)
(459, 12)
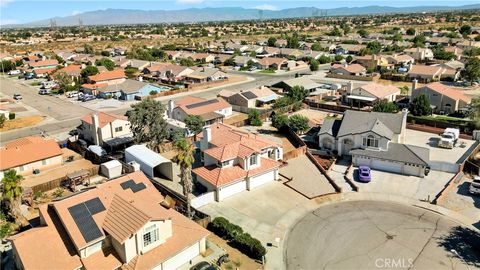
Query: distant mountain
(129, 16)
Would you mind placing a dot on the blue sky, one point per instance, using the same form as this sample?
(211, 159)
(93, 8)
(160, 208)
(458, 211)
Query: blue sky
(23, 11)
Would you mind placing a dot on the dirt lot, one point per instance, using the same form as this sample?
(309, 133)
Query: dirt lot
(22, 122)
(237, 117)
(315, 117)
(237, 259)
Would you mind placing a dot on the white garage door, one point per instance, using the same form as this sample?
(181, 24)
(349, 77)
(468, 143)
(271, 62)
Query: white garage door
(384, 165)
(262, 179)
(225, 192)
(183, 257)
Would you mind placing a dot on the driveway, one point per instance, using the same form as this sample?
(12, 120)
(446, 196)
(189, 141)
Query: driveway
(379, 235)
(306, 178)
(402, 185)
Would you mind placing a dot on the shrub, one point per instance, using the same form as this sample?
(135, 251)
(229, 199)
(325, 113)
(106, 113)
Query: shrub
(5, 229)
(280, 122)
(153, 92)
(11, 115)
(254, 118)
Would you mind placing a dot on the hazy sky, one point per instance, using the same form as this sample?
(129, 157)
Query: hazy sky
(23, 11)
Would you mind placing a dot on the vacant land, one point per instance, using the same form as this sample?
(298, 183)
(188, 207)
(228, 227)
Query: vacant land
(22, 122)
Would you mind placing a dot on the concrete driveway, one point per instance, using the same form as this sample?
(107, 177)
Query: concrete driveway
(402, 185)
(379, 235)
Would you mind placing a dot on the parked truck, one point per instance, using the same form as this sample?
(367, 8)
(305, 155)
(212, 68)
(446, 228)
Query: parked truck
(449, 138)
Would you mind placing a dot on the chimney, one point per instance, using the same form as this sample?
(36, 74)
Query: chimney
(414, 84)
(96, 127)
(207, 137)
(404, 125)
(350, 87)
(170, 107)
(140, 78)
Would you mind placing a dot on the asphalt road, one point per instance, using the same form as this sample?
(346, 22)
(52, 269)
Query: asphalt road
(380, 235)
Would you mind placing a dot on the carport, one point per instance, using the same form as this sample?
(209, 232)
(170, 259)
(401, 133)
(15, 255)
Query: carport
(151, 163)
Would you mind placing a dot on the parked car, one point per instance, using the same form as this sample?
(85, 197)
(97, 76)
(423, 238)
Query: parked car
(88, 98)
(73, 132)
(17, 96)
(14, 72)
(475, 186)
(43, 92)
(72, 94)
(29, 76)
(203, 266)
(364, 174)
(80, 96)
(48, 84)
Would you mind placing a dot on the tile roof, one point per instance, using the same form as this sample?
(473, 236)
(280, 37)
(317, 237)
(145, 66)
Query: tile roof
(267, 61)
(103, 118)
(108, 75)
(198, 106)
(27, 150)
(44, 70)
(380, 90)
(444, 90)
(49, 62)
(425, 70)
(352, 68)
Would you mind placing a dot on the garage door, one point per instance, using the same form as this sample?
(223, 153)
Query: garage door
(183, 257)
(227, 191)
(384, 165)
(261, 179)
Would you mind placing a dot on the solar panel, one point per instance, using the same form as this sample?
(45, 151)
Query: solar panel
(202, 103)
(133, 186)
(95, 206)
(249, 95)
(85, 223)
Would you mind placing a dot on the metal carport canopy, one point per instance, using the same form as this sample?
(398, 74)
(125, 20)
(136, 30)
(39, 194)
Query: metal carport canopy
(146, 156)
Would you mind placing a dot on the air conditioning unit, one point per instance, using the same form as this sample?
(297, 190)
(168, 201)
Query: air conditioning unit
(135, 166)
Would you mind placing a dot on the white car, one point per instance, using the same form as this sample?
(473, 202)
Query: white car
(14, 72)
(475, 186)
(72, 94)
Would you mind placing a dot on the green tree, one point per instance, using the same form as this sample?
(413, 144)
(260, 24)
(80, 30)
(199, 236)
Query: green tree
(105, 62)
(349, 59)
(297, 93)
(12, 193)
(465, 30)
(3, 119)
(7, 65)
(147, 122)
(64, 80)
(472, 70)
(324, 59)
(374, 46)
(271, 41)
(314, 65)
(474, 112)
(130, 72)
(316, 46)
(292, 41)
(280, 121)
(194, 124)
(298, 123)
(410, 31)
(385, 106)
(187, 62)
(185, 159)
(338, 57)
(88, 49)
(89, 71)
(229, 62)
(363, 33)
(421, 106)
(419, 41)
(254, 118)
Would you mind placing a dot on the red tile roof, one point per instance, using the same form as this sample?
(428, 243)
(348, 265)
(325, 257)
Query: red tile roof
(48, 62)
(27, 150)
(103, 118)
(200, 110)
(452, 93)
(108, 75)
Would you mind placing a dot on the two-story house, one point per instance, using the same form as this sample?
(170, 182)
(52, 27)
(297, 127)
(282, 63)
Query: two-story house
(104, 128)
(374, 139)
(211, 111)
(235, 160)
(420, 54)
(443, 99)
(119, 224)
(27, 154)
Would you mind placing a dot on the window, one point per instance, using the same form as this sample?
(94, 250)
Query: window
(22, 168)
(370, 141)
(118, 129)
(150, 235)
(44, 162)
(253, 160)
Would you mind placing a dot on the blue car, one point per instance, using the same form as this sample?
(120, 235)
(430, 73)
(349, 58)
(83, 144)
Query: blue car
(364, 174)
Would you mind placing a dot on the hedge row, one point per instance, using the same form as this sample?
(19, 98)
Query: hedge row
(237, 238)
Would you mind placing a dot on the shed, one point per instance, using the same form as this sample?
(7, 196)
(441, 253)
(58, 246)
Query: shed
(111, 169)
(151, 163)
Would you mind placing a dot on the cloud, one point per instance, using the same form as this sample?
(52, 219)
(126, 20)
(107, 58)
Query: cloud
(266, 7)
(76, 12)
(186, 2)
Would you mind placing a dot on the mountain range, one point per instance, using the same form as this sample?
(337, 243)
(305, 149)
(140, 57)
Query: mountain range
(130, 16)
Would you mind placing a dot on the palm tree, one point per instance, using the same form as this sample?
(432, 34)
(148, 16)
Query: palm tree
(185, 159)
(12, 192)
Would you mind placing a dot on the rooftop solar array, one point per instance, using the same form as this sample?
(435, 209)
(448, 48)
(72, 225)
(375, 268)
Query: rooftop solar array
(133, 186)
(249, 95)
(82, 215)
(202, 103)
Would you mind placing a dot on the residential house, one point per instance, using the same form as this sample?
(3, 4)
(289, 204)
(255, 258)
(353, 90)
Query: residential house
(202, 57)
(373, 62)
(243, 61)
(45, 64)
(443, 99)
(235, 161)
(120, 224)
(273, 63)
(289, 53)
(108, 77)
(167, 72)
(455, 50)
(252, 98)
(204, 74)
(105, 129)
(27, 154)
(43, 72)
(71, 70)
(432, 73)
(374, 139)
(400, 60)
(348, 69)
(342, 49)
(369, 94)
(420, 54)
(211, 111)
(304, 82)
(131, 89)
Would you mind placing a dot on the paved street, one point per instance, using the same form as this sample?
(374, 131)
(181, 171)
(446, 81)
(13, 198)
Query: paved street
(379, 235)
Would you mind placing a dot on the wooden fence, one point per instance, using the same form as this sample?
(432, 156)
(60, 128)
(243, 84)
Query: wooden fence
(59, 182)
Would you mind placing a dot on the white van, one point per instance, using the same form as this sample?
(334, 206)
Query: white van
(475, 186)
(48, 84)
(14, 72)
